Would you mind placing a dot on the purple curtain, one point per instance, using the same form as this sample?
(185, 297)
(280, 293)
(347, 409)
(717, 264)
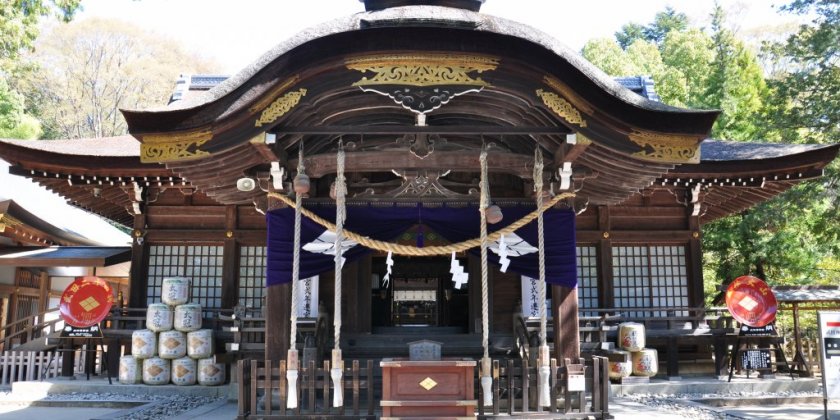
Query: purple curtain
(456, 224)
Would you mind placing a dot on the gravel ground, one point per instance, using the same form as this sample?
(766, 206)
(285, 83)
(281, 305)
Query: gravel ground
(688, 408)
(168, 407)
(163, 405)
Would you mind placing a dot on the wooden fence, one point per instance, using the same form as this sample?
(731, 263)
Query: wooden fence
(263, 388)
(18, 366)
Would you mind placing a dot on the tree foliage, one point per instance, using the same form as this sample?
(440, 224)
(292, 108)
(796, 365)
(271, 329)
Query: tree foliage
(796, 237)
(88, 70)
(664, 22)
(19, 26)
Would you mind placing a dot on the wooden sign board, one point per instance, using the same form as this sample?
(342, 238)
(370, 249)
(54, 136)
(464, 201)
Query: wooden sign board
(92, 331)
(768, 330)
(756, 359)
(577, 383)
(829, 327)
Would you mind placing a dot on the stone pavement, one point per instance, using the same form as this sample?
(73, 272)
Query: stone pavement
(622, 406)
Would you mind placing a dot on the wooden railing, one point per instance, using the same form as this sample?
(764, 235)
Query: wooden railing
(18, 366)
(29, 328)
(263, 387)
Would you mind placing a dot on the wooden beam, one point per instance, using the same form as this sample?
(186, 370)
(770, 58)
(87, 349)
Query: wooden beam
(647, 236)
(605, 276)
(278, 311)
(385, 161)
(564, 307)
(411, 129)
(139, 273)
(230, 261)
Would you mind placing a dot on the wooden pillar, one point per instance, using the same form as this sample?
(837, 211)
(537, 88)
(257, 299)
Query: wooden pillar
(43, 292)
(349, 292)
(695, 263)
(799, 360)
(606, 297)
(564, 308)
(474, 285)
(363, 297)
(278, 307)
(139, 274)
(230, 260)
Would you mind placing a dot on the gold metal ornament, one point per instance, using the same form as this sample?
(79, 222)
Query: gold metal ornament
(675, 148)
(428, 383)
(561, 107)
(174, 146)
(280, 107)
(422, 69)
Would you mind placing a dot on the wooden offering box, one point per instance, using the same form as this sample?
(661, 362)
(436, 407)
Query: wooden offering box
(439, 388)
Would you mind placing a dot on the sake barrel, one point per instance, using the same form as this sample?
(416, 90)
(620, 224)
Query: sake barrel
(210, 373)
(159, 317)
(645, 362)
(200, 344)
(172, 345)
(187, 317)
(620, 370)
(183, 371)
(175, 291)
(631, 336)
(143, 344)
(131, 370)
(156, 371)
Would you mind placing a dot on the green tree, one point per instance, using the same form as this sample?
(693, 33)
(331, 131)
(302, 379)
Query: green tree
(14, 122)
(664, 22)
(794, 238)
(735, 85)
(88, 70)
(19, 26)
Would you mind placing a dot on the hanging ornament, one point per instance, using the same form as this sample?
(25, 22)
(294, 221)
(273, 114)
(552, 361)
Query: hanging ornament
(389, 262)
(493, 214)
(332, 191)
(459, 277)
(503, 255)
(301, 184)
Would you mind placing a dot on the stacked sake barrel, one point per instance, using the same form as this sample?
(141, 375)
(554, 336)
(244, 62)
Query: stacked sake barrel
(642, 361)
(173, 347)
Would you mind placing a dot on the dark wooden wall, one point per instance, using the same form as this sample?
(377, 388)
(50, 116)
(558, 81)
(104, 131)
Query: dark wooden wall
(172, 217)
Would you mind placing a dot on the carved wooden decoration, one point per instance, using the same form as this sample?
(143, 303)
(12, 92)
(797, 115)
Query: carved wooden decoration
(666, 147)
(422, 82)
(174, 146)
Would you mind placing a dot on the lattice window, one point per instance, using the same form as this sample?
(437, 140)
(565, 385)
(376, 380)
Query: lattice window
(251, 276)
(202, 264)
(587, 276)
(649, 277)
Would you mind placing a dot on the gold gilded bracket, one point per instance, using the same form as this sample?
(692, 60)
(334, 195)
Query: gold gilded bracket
(174, 146)
(422, 69)
(666, 147)
(561, 107)
(280, 107)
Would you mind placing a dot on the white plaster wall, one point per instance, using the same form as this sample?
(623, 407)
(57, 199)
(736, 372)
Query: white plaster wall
(68, 271)
(116, 270)
(60, 283)
(7, 275)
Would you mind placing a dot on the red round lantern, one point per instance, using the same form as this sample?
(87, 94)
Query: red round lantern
(751, 302)
(86, 301)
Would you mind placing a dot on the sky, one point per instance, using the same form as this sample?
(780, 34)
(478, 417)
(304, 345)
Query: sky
(236, 33)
